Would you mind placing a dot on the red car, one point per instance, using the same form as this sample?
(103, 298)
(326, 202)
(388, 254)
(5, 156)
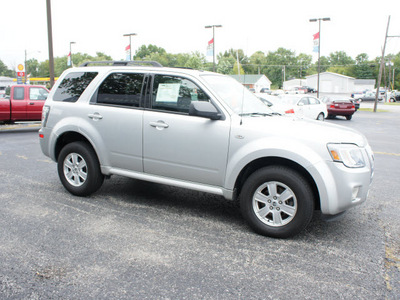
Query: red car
(339, 107)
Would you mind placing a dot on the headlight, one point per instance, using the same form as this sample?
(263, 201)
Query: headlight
(348, 154)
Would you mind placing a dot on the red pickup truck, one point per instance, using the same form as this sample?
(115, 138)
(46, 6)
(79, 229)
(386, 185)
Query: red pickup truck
(24, 104)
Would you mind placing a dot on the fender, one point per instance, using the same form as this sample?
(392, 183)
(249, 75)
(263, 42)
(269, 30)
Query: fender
(292, 150)
(84, 128)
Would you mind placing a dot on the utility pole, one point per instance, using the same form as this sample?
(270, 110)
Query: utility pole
(381, 67)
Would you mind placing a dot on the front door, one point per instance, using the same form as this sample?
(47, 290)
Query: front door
(180, 146)
(36, 98)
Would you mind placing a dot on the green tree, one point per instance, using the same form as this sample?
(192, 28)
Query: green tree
(225, 65)
(4, 71)
(196, 61)
(304, 62)
(340, 58)
(32, 67)
(257, 60)
(279, 64)
(145, 52)
(363, 68)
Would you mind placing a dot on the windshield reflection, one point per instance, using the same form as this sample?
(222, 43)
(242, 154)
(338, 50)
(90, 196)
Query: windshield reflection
(236, 96)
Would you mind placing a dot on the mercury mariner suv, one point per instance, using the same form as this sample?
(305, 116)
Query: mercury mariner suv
(202, 131)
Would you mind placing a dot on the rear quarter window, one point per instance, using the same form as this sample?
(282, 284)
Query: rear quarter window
(73, 85)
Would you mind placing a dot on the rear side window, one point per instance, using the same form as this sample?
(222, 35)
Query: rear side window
(19, 93)
(38, 93)
(124, 89)
(73, 85)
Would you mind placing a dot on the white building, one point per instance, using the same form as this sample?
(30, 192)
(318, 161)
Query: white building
(333, 83)
(290, 84)
(256, 82)
(6, 81)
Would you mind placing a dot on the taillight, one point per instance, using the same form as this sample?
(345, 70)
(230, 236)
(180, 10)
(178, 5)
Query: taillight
(290, 111)
(332, 106)
(45, 115)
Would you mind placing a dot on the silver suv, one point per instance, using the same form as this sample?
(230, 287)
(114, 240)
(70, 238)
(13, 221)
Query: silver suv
(202, 131)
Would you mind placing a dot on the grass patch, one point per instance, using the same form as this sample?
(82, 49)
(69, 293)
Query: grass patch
(371, 110)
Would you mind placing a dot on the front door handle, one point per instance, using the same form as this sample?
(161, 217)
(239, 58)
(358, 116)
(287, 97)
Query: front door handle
(95, 117)
(159, 125)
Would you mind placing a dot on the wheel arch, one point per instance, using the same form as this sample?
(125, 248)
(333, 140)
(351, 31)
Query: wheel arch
(69, 137)
(259, 163)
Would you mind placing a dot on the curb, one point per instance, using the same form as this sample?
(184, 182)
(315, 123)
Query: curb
(20, 127)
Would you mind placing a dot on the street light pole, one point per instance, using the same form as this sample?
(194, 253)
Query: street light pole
(213, 27)
(70, 53)
(50, 39)
(319, 47)
(130, 43)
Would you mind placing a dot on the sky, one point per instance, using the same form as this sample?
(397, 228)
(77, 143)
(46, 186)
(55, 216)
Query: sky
(179, 26)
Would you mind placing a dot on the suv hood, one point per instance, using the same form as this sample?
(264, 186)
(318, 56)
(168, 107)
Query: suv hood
(303, 129)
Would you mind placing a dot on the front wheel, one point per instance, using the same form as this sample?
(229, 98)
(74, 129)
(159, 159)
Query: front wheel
(79, 169)
(277, 201)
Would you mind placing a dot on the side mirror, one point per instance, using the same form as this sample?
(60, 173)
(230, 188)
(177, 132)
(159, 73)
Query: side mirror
(204, 109)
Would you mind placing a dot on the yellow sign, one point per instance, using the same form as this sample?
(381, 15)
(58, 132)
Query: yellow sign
(20, 67)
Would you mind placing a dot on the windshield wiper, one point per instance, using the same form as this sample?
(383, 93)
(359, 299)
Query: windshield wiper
(256, 114)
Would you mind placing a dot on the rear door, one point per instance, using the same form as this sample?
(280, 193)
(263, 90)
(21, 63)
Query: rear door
(117, 116)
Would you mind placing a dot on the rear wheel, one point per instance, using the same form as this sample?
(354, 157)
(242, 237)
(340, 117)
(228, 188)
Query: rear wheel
(349, 117)
(277, 201)
(320, 117)
(79, 169)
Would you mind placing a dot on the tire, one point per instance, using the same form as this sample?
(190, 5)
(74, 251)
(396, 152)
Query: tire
(349, 117)
(276, 201)
(320, 117)
(79, 169)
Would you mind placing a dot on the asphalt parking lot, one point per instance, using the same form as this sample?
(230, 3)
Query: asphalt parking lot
(139, 240)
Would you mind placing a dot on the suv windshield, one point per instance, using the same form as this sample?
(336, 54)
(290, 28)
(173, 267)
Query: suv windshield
(235, 95)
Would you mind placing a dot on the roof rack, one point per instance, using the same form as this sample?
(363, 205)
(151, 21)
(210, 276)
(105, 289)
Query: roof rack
(122, 63)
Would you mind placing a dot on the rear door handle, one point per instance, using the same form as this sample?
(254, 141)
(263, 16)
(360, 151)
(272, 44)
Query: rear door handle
(95, 117)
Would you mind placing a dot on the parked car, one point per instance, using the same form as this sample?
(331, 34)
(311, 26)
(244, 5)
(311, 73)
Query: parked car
(25, 103)
(302, 106)
(297, 90)
(357, 103)
(367, 96)
(394, 96)
(309, 89)
(202, 131)
(339, 106)
(266, 91)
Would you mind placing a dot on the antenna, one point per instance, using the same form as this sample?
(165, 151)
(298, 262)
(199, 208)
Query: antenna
(238, 66)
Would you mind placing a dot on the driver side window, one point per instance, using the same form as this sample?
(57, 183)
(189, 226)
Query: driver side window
(171, 93)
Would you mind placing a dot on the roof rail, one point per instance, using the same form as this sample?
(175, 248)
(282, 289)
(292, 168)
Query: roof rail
(122, 63)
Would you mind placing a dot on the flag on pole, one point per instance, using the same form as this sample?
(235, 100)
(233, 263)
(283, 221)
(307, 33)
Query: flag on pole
(69, 62)
(128, 52)
(210, 48)
(316, 42)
